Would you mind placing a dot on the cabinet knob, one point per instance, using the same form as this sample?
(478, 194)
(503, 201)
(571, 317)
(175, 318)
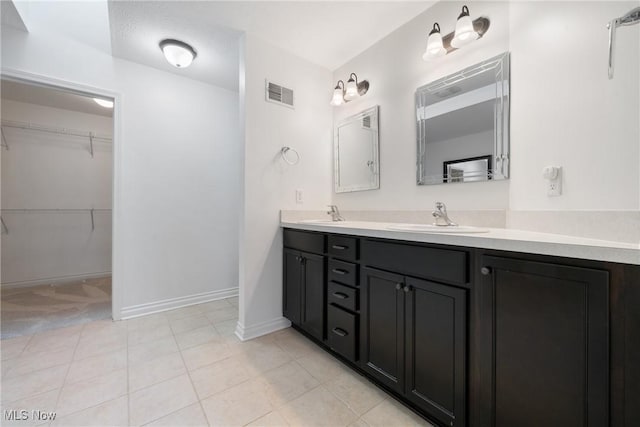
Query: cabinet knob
(408, 288)
(485, 271)
(398, 286)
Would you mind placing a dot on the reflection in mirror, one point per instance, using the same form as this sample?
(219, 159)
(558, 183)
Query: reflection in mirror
(355, 146)
(463, 125)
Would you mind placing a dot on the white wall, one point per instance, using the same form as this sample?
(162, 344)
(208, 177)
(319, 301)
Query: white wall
(178, 167)
(270, 183)
(49, 171)
(564, 110)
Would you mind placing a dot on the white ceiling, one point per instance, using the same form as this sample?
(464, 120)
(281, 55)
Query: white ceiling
(49, 97)
(327, 33)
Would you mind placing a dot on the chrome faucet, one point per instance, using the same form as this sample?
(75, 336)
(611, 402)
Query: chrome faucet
(441, 216)
(335, 213)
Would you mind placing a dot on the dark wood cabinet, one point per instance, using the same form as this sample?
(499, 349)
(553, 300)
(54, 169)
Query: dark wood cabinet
(549, 329)
(413, 340)
(304, 288)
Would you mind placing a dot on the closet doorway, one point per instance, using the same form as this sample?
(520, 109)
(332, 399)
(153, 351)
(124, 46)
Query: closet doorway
(56, 208)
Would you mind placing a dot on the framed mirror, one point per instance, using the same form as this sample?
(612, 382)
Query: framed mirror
(463, 125)
(356, 152)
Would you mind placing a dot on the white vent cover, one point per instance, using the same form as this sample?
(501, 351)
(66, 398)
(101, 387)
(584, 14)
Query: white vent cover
(278, 94)
(366, 122)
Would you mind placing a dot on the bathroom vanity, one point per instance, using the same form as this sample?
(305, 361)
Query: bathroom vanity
(468, 331)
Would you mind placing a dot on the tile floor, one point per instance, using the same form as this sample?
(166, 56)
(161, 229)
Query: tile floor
(186, 368)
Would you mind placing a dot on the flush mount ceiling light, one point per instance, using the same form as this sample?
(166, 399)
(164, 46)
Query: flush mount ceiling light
(352, 90)
(466, 32)
(103, 102)
(179, 54)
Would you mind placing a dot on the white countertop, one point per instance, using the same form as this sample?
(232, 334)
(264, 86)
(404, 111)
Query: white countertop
(495, 238)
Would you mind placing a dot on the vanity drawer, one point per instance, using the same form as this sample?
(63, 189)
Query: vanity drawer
(304, 240)
(342, 329)
(343, 247)
(446, 265)
(342, 296)
(342, 272)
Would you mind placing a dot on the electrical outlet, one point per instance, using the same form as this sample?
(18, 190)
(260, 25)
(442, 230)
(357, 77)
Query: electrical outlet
(554, 184)
(299, 196)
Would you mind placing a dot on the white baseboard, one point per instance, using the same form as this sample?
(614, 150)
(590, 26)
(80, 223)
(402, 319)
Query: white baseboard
(55, 280)
(254, 331)
(173, 303)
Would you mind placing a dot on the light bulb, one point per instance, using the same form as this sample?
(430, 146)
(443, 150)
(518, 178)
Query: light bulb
(338, 96)
(465, 33)
(351, 90)
(177, 53)
(103, 102)
(435, 48)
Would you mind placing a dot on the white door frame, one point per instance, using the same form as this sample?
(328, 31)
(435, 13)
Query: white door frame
(117, 255)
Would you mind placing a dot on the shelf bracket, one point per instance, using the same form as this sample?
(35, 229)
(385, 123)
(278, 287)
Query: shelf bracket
(5, 230)
(93, 224)
(4, 139)
(91, 146)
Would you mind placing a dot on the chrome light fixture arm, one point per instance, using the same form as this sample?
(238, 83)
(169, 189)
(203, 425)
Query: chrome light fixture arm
(630, 18)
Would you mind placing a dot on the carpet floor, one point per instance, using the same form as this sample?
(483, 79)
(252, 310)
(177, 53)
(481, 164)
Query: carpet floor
(35, 309)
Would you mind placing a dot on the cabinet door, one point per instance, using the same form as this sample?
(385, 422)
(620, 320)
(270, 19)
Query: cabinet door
(551, 343)
(436, 337)
(382, 326)
(313, 295)
(292, 289)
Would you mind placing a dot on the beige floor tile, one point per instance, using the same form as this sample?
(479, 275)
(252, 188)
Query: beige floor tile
(147, 321)
(30, 362)
(188, 323)
(196, 337)
(296, 345)
(357, 392)
(161, 399)
(233, 301)
(359, 423)
(96, 366)
(206, 354)
(33, 383)
(190, 416)
(88, 393)
(144, 374)
(317, 408)
(238, 405)
(181, 313)
(112, 413)
(44, 402)
(390, 412)
(103, 327)
(219, 376)
(213, 305)
(287, 382)
(263, 358)
(55, 339)
(226, 328)
(272, 419)
(102, 342)
(222, 314)
(149, 333)
(13, 347)
(322, 366)
(151, 350)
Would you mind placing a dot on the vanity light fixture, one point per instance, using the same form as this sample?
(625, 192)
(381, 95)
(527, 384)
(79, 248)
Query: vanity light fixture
(178, 53)
(466, 32)
(353, 89)
(103, 102)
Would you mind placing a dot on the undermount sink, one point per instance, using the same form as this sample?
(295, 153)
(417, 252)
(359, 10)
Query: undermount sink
(429, 228)
(321, 221)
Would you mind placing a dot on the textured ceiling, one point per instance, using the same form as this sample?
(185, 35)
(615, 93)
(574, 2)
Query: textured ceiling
(51, 98)
(327, 33)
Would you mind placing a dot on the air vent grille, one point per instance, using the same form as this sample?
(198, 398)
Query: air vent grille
(279, 94)
(366, 122)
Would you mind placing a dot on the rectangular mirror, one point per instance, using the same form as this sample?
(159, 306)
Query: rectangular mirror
(355, 146)
(463, 125)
